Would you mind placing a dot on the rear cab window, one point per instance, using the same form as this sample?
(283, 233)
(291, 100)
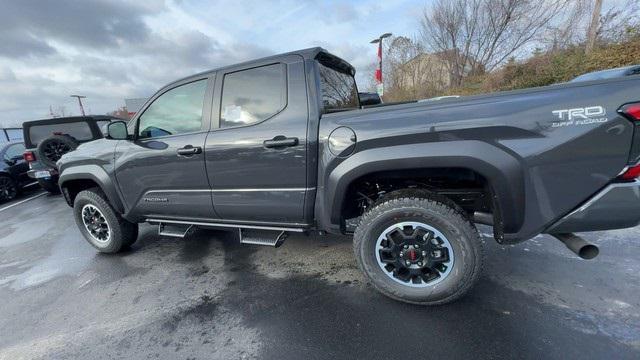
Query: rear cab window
(337, 85)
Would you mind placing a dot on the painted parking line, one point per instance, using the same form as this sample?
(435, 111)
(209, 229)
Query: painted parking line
(23, 201)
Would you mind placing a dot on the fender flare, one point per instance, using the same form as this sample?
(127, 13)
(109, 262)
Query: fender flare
(96, 174)
(502, 170)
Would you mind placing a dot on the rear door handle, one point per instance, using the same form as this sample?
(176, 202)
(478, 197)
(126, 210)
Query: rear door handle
(281, 141)
(189, 150)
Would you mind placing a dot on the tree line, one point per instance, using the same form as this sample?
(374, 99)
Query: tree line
(469, 46)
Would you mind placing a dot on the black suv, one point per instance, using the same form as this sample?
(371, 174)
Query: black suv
(13, 170)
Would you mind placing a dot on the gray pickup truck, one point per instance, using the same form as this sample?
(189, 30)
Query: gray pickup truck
(283, 144)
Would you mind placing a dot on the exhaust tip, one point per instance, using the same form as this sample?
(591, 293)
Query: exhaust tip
(588, 252)
(578, 245)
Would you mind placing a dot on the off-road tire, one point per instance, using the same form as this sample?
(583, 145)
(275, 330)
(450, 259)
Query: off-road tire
(50, 186)
(434, 211)
(52, 148)
(123, 232)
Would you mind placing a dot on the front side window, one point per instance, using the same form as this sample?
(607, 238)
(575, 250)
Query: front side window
(177, 111)
(339, 91)
(253, 95)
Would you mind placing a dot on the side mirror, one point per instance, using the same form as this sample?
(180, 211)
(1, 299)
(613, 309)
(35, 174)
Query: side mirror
(117, 130)
(369, 98)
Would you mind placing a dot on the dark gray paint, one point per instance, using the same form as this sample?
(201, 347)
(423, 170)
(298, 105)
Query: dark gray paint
(615, 207)
(249, 181)
(538, 173)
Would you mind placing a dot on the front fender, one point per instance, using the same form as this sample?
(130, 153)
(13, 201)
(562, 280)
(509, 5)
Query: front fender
(502, 170)
(96, 174)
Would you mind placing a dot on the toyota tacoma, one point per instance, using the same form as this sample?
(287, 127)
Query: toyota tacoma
(284, 144)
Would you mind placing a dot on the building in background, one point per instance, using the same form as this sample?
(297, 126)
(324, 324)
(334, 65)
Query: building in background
(134, 105)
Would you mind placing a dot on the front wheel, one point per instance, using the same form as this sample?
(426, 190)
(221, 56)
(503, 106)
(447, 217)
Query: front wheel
(100, 224)
(420, 250)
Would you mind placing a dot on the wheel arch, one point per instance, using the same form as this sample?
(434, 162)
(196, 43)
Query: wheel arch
(76, 179)
(502, 172)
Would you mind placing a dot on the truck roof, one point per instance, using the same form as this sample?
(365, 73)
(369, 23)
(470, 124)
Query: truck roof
(309, 53)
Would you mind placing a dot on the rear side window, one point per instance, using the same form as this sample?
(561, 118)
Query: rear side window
(177, 111)
(253, 95)
(78, 130)
(339, 91)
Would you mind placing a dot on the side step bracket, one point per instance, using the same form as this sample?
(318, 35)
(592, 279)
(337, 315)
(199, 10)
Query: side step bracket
(262, 237)
(174, 230)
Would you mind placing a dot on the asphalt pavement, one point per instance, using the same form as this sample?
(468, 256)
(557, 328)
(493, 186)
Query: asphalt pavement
(208, 297)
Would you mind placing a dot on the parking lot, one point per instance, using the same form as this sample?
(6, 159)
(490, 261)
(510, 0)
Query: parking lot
(209, 297)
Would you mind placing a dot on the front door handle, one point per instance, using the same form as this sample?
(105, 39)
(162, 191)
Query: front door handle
(189, 150)
(281, 141)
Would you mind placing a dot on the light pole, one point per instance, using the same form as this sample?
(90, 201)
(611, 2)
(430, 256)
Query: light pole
(80, 97)
(379, 83)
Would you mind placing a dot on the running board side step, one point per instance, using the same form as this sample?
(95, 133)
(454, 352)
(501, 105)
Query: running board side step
(262, 237)
(174, 230)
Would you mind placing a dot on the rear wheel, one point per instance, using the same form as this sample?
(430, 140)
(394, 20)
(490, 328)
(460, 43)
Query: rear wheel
(421, 250)
(8, 188)
(100, 224)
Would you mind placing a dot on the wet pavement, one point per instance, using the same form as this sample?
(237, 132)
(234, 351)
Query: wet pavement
(207, 297)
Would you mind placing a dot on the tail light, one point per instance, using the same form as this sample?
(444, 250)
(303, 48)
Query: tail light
(632, 111)
(29, 156)
(631, 173)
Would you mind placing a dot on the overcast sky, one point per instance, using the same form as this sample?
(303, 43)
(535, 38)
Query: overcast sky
(112, 50)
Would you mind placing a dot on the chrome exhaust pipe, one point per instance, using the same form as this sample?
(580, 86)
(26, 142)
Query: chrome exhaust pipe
(578, 245)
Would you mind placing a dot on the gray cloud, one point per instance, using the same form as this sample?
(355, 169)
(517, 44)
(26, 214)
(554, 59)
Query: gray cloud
(20, 45)
(111, 50)
(33, 24)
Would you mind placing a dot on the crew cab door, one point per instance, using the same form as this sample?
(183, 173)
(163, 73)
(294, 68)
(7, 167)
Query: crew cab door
(161, 171)
(256, 154)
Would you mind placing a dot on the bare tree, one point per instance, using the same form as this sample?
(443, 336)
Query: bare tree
(590, 22)
(592, 32)
(618, 20)
(569, 28)
(479, 35)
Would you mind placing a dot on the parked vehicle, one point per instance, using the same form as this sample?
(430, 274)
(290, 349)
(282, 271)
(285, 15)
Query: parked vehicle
(609, 73)
(282, 145)
(47, 140)
(13, 170)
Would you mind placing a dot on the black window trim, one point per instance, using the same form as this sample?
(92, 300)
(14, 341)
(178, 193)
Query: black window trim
(285, 81)
(204, 127)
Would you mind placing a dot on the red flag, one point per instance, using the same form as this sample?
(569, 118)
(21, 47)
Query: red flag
(379, 69)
